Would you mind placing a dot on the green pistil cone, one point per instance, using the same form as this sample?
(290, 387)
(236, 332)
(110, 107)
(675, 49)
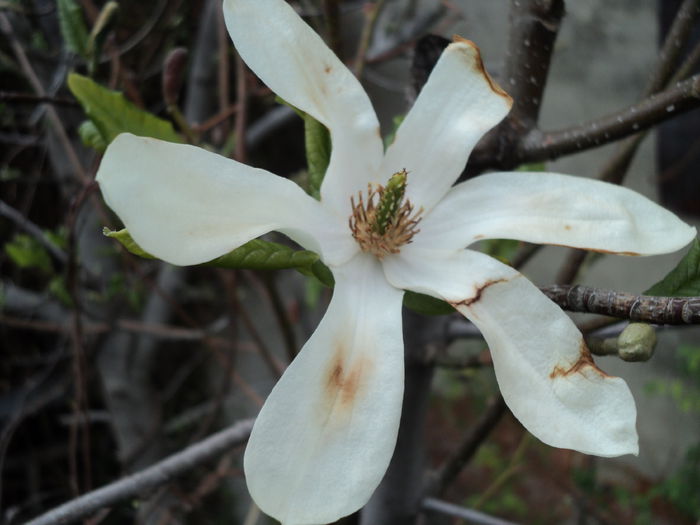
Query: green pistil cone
(390, 202)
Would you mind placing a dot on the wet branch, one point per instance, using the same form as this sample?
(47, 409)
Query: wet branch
(645, 308)
(150, 478)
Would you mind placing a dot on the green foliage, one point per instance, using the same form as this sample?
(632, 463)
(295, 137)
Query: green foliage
(426, 305)
(125, 239)
(57, 288)
(395, 125)
(26, 252)
(73, 28)
(317, 140)
(684, 391)
(684, 279)
(105, 21)
(264, 255)
(683, 487)
(112, 114)
(91, 136)
(256, 255)
(501, 249)
(318, 152)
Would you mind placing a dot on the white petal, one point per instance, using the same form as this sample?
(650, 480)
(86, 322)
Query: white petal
(549, 208)
(298, 66)
(186, 205)
(544, 370)
(326, 433)
(458, 104)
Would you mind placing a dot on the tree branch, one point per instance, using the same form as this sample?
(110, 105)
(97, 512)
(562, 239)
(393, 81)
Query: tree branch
(152, 477)
(451, 468)
(644, 308)
(538, 145)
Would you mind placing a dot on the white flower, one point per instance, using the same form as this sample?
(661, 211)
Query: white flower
(325, 436)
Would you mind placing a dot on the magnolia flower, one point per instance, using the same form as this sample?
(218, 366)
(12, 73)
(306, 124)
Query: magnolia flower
(389, 221)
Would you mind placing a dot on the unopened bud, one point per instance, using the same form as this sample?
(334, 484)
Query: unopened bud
(173, 68)
(637, 342)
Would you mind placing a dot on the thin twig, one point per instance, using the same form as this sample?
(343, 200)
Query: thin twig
(281, 315)
(21, 221)
(28, 98)
(154, 476)
(241, 123)
(476, 435)
(28, 70)
(645, 308)
(331, 14)
(372, 15)
(674, 43)
(473, 516)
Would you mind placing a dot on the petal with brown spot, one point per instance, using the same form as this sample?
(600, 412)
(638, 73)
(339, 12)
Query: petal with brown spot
(326, 433)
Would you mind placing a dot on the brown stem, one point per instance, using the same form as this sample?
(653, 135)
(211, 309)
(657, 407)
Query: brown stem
(471, 442)
(534, 25)
(366, 37)
(644, 308)
(537, 145)
(331, 14)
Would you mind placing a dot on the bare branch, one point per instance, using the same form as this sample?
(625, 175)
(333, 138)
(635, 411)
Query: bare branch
(673, 45)
(534, 25)
(538, 145)
(150, 478)
(644, 308)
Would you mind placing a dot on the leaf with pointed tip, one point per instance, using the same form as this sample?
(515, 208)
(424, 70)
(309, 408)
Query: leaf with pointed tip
(73, 29)
(256, 255)
(684, 279)
(112, 114)
(91, 136)
(125, 240)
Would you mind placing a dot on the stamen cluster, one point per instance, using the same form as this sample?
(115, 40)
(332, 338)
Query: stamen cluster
(385, 221)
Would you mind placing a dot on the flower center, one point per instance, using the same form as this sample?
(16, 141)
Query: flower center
(385, 221)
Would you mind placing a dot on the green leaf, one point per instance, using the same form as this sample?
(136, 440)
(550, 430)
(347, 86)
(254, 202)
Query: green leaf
(124, 237)
(73, 28)
(318, 152)
(684, 279)
(502, 249)
(426, 305)
(265, 255)
(91, 136)
(112, 114)
(27, 252)
(105, 21)
(318, 146)
(256, 254)
(395, 125)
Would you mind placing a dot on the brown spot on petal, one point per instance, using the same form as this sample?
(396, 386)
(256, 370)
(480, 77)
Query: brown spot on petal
(567, 227)
(478, 65)
(344, 382)
(585, 362)
(479, 292)
(479, 237)
(327, 69)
